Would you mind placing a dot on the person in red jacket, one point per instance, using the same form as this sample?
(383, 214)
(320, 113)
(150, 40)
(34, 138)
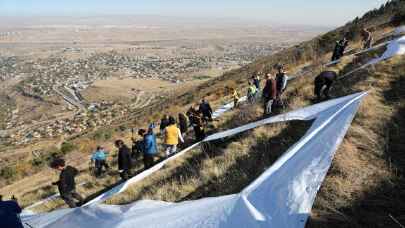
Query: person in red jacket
(269, 94)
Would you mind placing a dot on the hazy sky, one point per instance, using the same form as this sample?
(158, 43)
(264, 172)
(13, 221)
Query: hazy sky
(312, 12)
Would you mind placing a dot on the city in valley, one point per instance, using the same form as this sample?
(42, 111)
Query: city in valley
(61, 76)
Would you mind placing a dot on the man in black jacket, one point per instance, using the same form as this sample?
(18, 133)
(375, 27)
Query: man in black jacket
(340, 48)
(206, 110)
(66, 184)
(124, 159)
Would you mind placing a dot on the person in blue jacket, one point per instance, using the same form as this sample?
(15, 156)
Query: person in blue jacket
(149, 146)
(9, 214)
(100, 160)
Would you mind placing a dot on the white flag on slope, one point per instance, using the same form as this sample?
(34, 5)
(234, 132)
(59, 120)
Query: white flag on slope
(281, 197)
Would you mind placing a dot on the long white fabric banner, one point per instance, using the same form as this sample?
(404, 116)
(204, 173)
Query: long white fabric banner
(281, 197)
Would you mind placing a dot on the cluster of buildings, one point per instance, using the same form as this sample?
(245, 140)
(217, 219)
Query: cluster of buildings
(57, 75)
(102, 114)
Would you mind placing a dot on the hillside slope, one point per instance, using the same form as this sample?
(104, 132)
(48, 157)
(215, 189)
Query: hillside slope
(363, 187)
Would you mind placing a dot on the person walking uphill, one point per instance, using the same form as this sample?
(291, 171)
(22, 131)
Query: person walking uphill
(206, 110)
(236, 98)
(172, 135)
(339, 49)
(100, 160)
(281, 80)
(324, 81)
(9, 214)
(66, 183)
(183, 122)
(252, 92)
(149, 147)
(256, 81)
(164, 123)
(281, 85)
(367, 39)
(269, 94)
(124, 159)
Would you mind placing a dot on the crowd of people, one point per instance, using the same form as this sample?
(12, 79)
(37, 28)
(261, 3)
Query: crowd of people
(272, 92)
(173, 132)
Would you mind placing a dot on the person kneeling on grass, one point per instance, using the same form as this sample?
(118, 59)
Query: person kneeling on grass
(124, 159)
(66, 184)
(100, 160)
(172, 135)
(149, 147)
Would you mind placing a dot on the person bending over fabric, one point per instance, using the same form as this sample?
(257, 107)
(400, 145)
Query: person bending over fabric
(66, 183)
(9, 214)
(324, 81)
(172, 135)
(124, 159)
(100, 160)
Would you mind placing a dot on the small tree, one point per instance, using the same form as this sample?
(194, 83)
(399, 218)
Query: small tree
(8, 172)
(67, 147)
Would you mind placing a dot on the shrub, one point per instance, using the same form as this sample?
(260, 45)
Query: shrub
(23, 168)
(354, 32)
(8, 172)
(67, 147)
(122, 128)
(103, 135)
(38, 161)
(327, 41)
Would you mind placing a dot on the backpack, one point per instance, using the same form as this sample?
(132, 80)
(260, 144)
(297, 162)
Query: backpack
(137, 149)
